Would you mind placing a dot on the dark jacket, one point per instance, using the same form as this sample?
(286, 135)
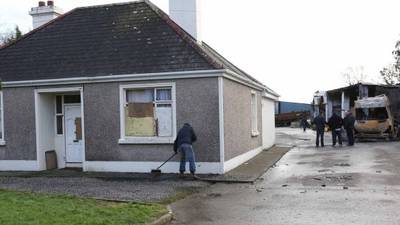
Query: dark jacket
(335, 122)
(319, 122)
(349, 121)
(185, 135)
(304, 123)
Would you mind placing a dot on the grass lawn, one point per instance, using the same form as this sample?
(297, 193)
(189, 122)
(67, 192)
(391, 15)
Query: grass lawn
(21, 208)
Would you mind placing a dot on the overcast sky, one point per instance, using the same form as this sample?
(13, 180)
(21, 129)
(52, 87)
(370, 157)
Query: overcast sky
(295, 47)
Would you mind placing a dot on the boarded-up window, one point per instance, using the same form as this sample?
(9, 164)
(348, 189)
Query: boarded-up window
(148, 112)
(78, 128)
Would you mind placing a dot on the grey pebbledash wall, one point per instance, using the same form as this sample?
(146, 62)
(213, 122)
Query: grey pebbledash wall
(196, 103)
(237, 119)
(19, 124)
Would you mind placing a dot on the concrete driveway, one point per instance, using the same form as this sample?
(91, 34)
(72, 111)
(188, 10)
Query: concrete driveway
(347, 185)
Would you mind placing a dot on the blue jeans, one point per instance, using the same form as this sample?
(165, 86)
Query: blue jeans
(187, 154)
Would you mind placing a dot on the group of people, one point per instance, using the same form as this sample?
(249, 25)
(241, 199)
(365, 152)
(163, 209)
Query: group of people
(335, 123)
(186, 136)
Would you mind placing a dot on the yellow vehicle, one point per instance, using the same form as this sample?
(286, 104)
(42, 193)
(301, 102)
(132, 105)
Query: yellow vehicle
(374, 118)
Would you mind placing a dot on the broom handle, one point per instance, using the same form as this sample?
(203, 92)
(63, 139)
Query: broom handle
(167, 160)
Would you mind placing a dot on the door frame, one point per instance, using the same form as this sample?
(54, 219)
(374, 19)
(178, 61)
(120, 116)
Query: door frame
(41, 162)
(65, 133)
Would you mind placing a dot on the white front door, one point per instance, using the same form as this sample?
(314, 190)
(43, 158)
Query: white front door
(73, 134)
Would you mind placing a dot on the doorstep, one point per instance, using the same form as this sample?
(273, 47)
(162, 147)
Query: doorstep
(251, 170)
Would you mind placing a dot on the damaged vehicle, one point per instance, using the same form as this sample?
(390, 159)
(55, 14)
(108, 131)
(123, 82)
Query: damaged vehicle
(375, 119)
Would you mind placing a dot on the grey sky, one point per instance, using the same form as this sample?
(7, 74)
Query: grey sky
(293, 46)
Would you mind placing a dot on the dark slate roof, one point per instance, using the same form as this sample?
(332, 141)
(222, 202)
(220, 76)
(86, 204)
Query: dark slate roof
(127, 38)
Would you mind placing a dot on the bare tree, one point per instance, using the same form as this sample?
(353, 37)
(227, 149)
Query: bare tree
(354, 75)
(391, 73)
(10, 36)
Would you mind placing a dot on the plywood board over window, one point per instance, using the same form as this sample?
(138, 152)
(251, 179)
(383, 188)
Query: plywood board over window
(148, 113)
(78, 128)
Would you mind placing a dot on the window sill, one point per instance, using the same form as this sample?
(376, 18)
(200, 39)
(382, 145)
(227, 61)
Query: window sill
(145, 140)
(2, 143)
(255, 133)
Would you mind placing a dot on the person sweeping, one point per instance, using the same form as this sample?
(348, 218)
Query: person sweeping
(183, 144)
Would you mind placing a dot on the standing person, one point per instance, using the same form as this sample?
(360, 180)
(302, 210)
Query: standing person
(304, 124)
(348, 123)
(319, 122)
(183, 144)
(336, 123)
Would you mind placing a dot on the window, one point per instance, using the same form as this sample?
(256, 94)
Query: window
(147, 114)
(254, 129)
(59, 115)
(1, 120)
(371, 113)
(70, 99)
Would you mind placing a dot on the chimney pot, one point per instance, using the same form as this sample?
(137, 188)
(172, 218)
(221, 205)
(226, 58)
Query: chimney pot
(42, 3)
(50, 3)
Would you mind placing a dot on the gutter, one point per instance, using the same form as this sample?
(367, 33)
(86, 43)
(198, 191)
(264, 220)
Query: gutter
(114, 78)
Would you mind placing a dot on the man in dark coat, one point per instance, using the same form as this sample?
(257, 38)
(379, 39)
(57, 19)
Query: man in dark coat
(348, 123)
(319, 122)
(335, 123)
(183, 144)
(304, 124)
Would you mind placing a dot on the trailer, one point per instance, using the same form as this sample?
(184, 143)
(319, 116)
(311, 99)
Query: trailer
(286, 119)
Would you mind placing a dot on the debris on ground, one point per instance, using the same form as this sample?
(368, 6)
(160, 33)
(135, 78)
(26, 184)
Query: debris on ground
(215, 195)
(342, 164)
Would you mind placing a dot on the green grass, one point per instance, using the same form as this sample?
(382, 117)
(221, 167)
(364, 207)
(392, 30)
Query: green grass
(22, 208)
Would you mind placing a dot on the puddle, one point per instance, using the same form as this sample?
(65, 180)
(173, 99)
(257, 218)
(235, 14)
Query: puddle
(342, 164)
(326, 170)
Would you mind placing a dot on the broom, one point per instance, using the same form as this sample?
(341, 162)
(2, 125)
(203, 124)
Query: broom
(158, 171)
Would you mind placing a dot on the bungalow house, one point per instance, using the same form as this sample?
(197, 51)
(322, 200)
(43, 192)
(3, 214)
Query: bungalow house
(108, 87)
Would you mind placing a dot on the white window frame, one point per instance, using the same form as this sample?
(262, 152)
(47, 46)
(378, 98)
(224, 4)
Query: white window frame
(59, 114)
(254, 114)
(146, 140)
(2, 140)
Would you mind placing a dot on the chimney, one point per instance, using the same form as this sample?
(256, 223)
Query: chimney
(44, 13)
(187, 14)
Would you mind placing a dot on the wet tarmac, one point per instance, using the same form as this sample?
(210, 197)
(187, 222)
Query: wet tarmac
(332, 185)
